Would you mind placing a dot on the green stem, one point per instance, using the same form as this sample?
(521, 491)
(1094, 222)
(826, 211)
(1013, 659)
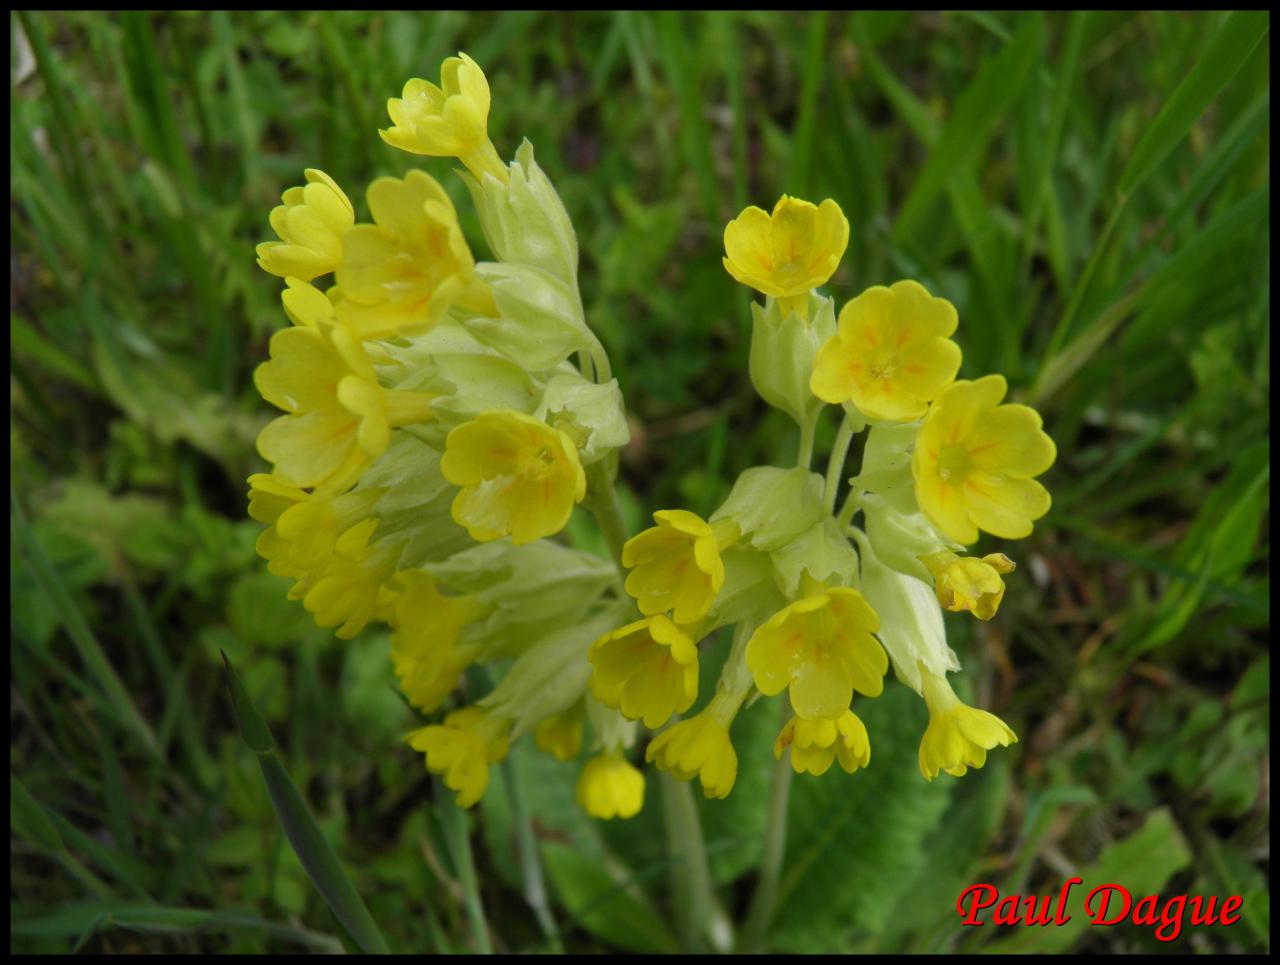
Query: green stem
(602, 500)
(807, 430)
(454, 820)
(691, 888)
(763, 902)
(535, 889)
(835, 465)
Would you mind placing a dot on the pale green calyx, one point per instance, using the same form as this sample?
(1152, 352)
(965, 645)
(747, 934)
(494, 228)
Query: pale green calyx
(782, 352)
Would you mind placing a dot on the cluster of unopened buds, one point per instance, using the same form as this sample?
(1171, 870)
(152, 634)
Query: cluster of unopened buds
(443, 418)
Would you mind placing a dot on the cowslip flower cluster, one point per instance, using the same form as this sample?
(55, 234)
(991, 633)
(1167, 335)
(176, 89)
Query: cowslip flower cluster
(443, 418)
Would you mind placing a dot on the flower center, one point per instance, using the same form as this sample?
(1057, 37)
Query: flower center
(954, 462)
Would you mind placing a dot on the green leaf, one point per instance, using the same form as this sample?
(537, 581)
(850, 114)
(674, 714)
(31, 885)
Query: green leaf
(1142, 862)
(965, 136)
(855, 841)
(1230, 47)
(599, 904)
(308, 841)
(28, 818)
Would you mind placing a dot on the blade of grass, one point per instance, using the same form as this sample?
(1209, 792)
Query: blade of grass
(964, 137)
(453, 821)
(813, 64)
(309, 843)
(695, 136)
(77, 628)
(1226, 52)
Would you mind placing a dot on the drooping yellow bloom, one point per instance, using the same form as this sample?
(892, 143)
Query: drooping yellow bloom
(352, 585)
(310, 224)
(816, 743)
(402, 273)
(451, 120)
(462, 748)
(561, 734)
(676, 564)
(892, 353)
(821, 646)
(647, 669)
(969, 583)
(975, 460)
(609, 787)
(700, 747)
(520, 477)
(424, 648)
(339, 418)
(304, 527)
(958, 736)
(789, 252)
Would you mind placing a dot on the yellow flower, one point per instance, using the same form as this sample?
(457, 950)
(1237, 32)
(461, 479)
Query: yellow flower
(677, 564)
(647, 669)
(821, 646)
(447, 121)
(816, 743)
(609, 787)
(560, 735)
(304, 527)
(310, 224)
(891, 354)
(958, 736)
(401, 274)
(339, 418)
(969, 583)
(424, 648)
(306, 305)
(462, 748)
(974, 461)
(700, 747)
(520, 477)
(352, 585)
(789, 252)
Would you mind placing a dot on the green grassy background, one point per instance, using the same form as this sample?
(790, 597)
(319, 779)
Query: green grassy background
(1091, 191)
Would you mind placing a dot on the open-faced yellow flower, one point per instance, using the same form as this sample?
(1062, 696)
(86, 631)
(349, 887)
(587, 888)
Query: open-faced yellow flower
(816, 743)
(676, 565)
(958, 736)
(520, 477)
(450, 120)
(609, 787)
(969, 583)
(821, 646)
(974, 461)
(310, 224)
(462, 748)
(425, 652)
(891, 354)
(401, 274)
(789, 252)
(339, 418)
(560, 735)
(352, 585)
(700, 747)
(647, 669)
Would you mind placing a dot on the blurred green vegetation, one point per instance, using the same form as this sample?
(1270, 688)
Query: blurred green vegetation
(1090, 190)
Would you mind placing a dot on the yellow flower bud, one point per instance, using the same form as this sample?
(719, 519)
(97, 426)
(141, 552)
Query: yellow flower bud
(700, 747)
(969, 583)
(609, 787)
